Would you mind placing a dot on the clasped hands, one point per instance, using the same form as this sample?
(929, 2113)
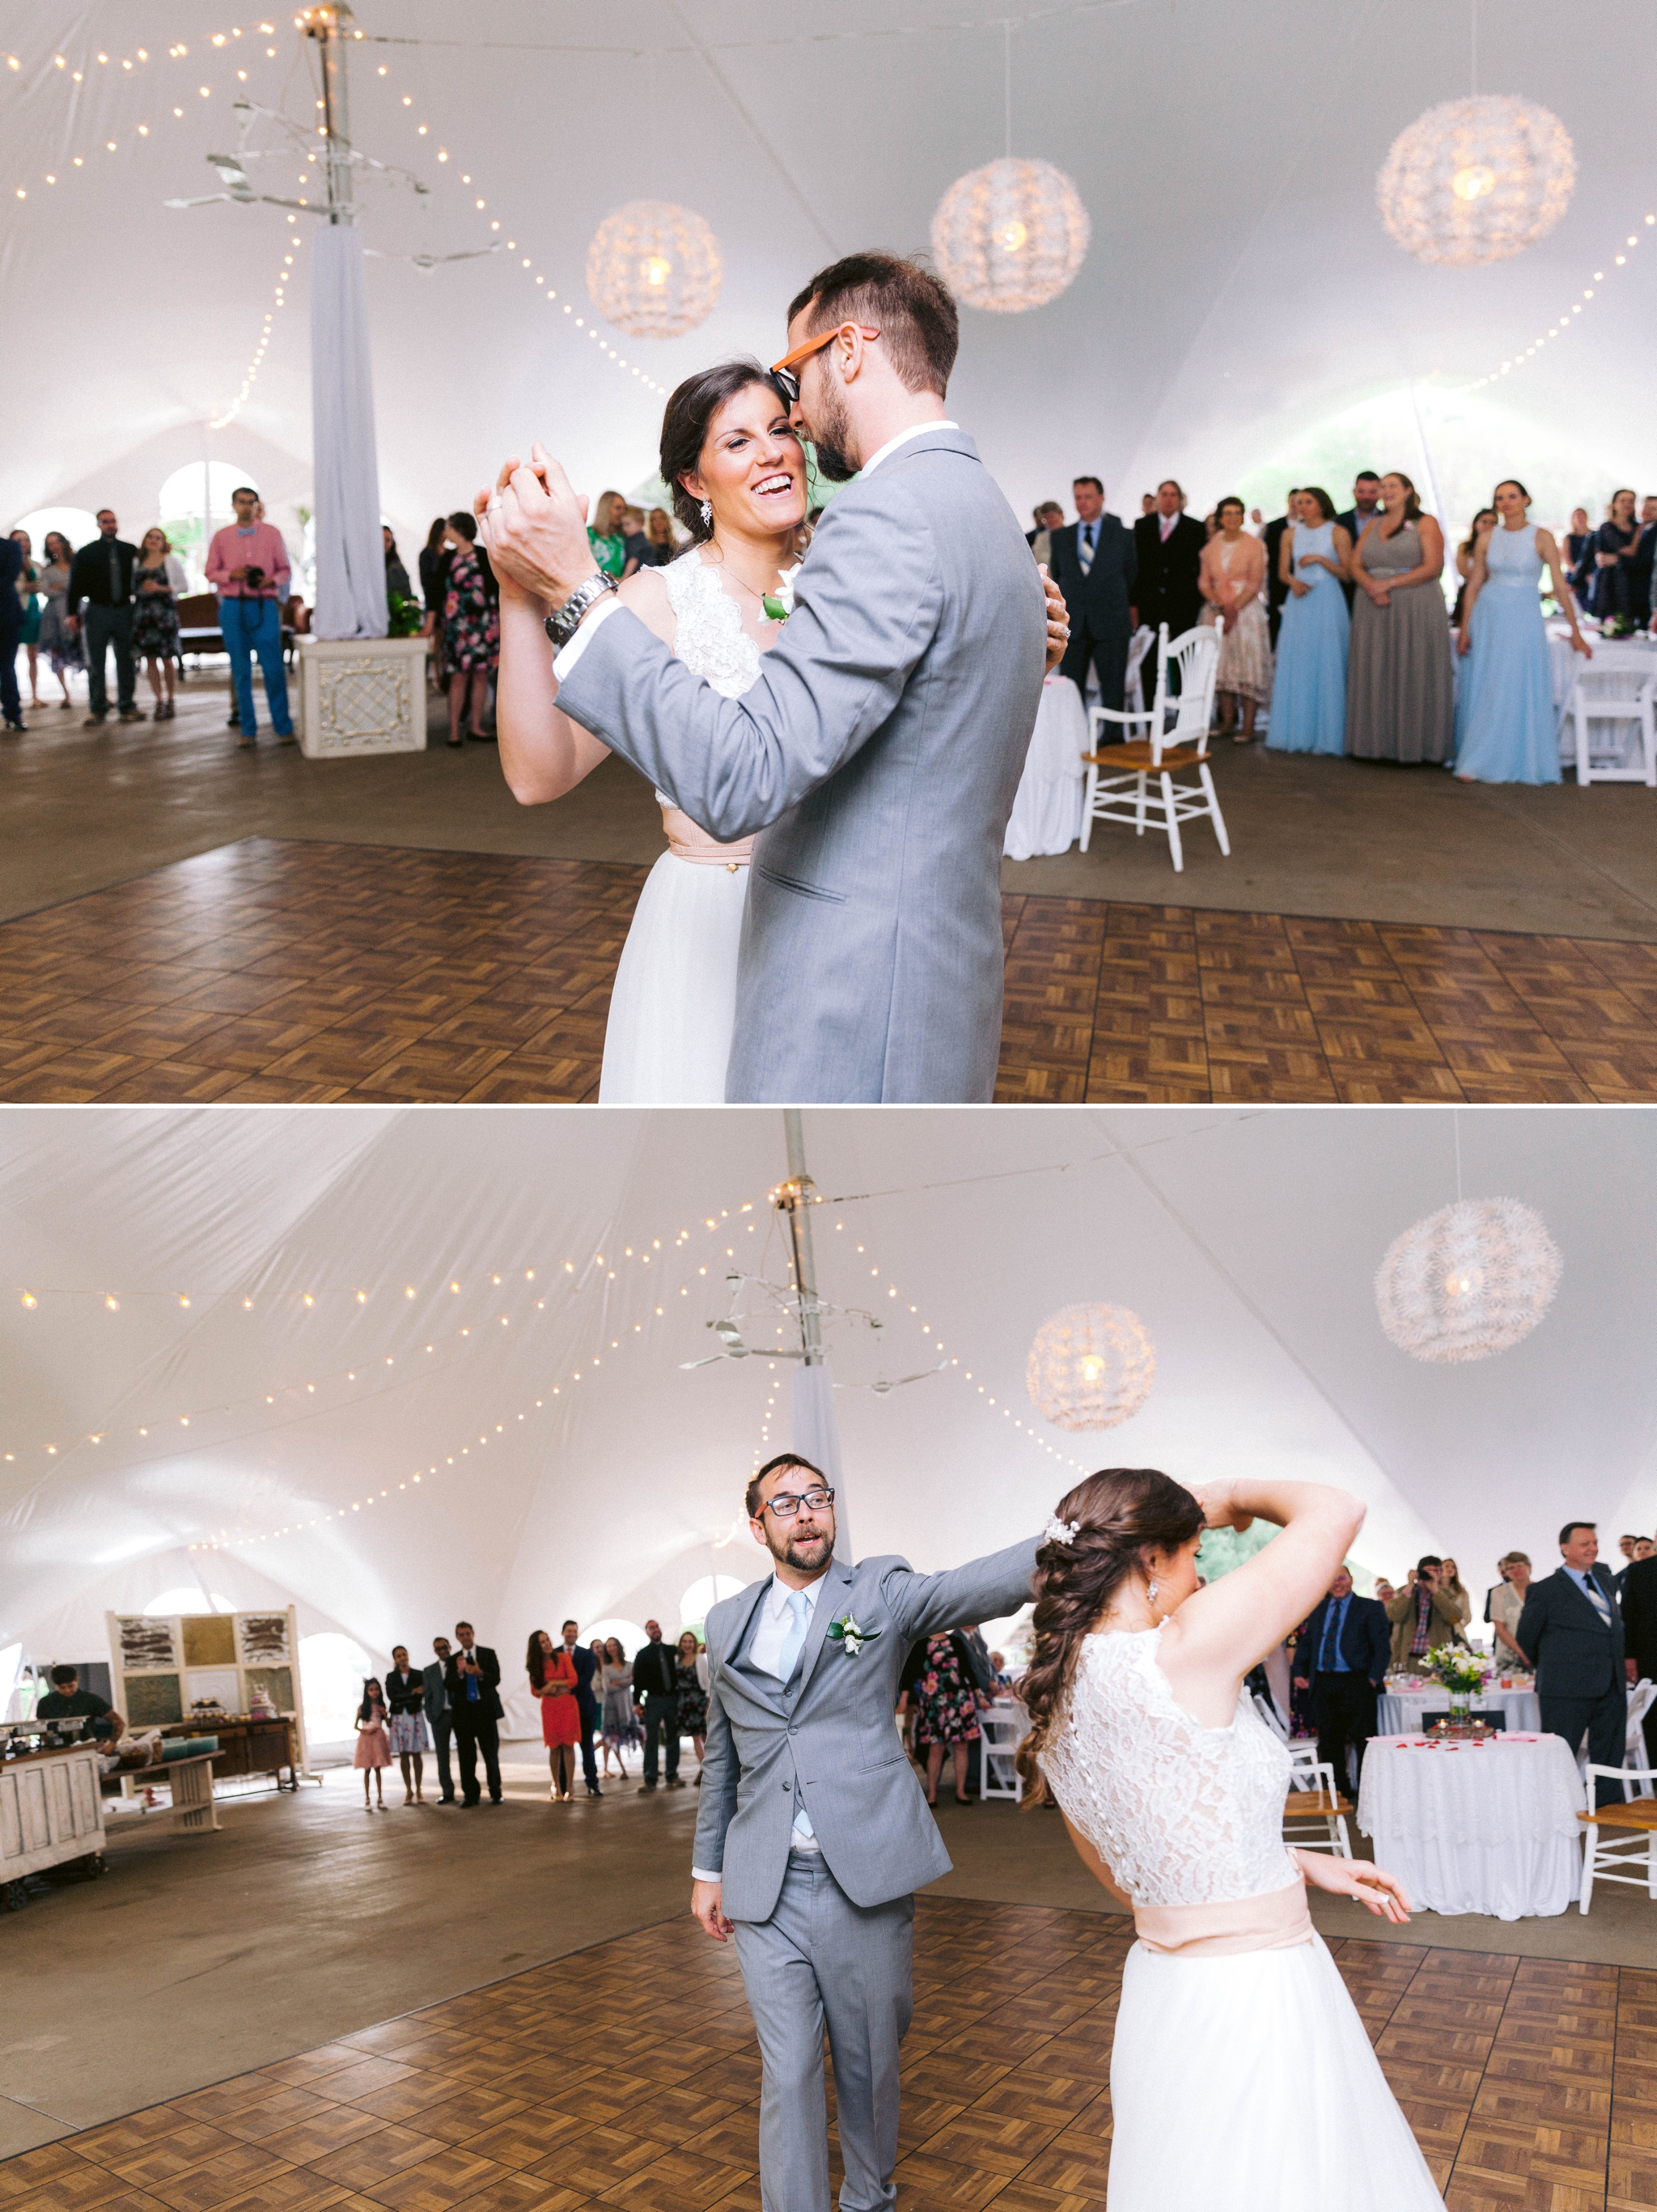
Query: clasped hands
(533, 526)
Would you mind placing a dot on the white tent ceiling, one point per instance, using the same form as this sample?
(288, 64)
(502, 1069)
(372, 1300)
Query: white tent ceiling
(319, 1249)
(1242, 317)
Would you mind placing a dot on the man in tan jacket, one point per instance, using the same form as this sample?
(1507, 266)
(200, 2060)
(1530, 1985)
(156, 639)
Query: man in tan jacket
(1423, 1615)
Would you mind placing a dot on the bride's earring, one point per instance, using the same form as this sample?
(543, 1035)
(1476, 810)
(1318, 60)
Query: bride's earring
(707, 513)
(1152, 1589)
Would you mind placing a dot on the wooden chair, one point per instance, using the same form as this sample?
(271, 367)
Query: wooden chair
(198, 623)
(1120, 776)
(1620, 1842)
(1320, 1806)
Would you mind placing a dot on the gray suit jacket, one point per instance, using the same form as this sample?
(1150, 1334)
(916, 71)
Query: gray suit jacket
(877, 756)
(828, 1738)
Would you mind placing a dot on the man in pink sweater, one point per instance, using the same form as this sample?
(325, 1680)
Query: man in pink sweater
(247, 566)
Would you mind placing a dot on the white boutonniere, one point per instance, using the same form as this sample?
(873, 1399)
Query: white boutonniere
(846, 1632)
(779, 604)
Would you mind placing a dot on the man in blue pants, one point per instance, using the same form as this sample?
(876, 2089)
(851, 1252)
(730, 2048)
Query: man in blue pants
(247, 566)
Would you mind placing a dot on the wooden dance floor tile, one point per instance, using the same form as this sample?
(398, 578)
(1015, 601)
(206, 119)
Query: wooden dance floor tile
(293, 971)
(1531, 2085)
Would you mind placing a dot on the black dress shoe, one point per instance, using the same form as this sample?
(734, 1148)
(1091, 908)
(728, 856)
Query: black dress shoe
(593, 1790)
(643, 1786)
(674, 1783)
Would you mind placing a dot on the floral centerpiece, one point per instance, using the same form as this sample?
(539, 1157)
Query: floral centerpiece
(1464, 1674)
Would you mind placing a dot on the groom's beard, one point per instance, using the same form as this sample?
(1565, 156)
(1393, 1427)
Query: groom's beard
(807, 1553)
(830, 434)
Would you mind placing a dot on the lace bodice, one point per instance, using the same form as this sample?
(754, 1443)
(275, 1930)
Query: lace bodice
(1181, 1814)
(709, 638)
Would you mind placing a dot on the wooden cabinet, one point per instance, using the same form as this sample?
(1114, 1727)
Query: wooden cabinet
(50, 1812)
(245, 1746)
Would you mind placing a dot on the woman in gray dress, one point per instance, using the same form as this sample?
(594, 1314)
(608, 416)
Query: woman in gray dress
(1401, 692)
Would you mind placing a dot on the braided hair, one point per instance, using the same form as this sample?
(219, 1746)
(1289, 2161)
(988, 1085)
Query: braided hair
(1117, 1512)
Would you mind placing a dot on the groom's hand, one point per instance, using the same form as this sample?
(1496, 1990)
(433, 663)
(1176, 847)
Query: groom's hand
(1057, 620)
(705, 1904)
(535, 529)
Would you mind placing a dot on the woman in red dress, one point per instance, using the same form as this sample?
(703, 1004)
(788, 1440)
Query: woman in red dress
(552, 1678)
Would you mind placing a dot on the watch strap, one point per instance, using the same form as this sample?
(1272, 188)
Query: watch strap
(563, 626)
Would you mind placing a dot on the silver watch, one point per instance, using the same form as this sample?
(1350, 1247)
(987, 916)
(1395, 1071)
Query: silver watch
(561, 626)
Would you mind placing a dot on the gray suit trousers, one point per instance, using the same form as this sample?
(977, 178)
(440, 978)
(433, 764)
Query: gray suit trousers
(821, 1960)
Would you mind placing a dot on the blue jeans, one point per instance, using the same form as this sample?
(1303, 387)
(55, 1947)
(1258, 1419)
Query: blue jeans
(249, 626)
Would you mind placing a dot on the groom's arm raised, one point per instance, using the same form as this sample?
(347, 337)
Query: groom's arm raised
(984, 1590)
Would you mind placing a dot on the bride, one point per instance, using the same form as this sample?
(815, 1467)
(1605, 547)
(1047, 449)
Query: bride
(1241, 2075)
(737, 477)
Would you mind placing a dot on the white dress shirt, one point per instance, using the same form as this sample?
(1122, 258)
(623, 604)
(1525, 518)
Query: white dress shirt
(902, 438)
(765, 1652)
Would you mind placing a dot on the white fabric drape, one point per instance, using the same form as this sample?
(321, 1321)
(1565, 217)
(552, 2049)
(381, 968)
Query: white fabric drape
(816, 1436)
(1047, 814)
(351, 553)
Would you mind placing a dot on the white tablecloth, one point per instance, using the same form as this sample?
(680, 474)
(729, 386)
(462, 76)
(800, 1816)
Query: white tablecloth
(1399, 1711)
(1483, 1827)
(1046, 815)
(1610, 739)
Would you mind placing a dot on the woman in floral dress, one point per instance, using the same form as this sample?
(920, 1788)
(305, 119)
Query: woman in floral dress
(471, 627)
(690, 1678)
(946, 1712)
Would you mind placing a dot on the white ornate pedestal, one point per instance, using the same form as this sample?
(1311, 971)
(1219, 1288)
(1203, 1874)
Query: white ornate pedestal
(361, 695)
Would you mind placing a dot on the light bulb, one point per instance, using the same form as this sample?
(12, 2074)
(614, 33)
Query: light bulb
(1473, 183)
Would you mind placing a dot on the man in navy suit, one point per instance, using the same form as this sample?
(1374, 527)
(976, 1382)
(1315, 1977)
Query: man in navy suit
(1571, 1631)
(1341, 1655)
(1091, 561)
(1366, 505)
(586, 1705)
(11, 619)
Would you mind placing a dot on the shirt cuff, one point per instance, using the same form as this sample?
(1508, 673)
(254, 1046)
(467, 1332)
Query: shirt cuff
(700, 1874)
(563, 665)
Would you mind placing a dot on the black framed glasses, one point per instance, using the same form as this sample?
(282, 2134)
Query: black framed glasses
(785, 1505)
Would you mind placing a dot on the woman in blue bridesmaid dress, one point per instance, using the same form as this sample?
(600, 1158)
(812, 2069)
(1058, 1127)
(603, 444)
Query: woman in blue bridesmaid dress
(1506, 729)
(1308, 694)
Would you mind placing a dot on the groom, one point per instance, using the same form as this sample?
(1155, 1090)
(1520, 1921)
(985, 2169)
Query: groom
(812, 1832)
(879, 753)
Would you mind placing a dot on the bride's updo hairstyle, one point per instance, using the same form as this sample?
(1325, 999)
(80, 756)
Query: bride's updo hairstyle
(684, 431)
(1116, 1512)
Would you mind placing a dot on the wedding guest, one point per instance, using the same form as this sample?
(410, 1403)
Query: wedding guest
(1505, 1601)
(634, 543)
(102, 581)
(60, 644)
(1384, 1591)
(1615, 542)
(1626, 1545)
(1147, 502)
(656, 1705)
(659, 548)
(1340, 1657)
(158, 584)
(1422, 1616)
(691, 1680)
(1572, 1634)
(621, 1727)
(373, 1754)
(1400, 697)
(946, 1712)
(1639, 1610)
(247, 565)
(605, 534)
(472, 628)
(1640, 566)
(1308, 688)
(11, 568)
(396, 576)
(1366, 505)
(405, 1701)
(1168, 551)
(1579, 558)
(471, 1683)
(438, 1714)
(586, 1663)
(1482, 525)
(66, 1700)
(1506, 728)
(1047, 517)
(1450, 1585)
(1271, 537)
(553, 1682)
(28, 587)
(1229, 575)
(1091, 561)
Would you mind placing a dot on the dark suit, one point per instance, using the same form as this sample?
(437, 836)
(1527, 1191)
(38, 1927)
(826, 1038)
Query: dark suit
(587, 1706)
(11, 621)
(656, 1692)
(102, 575)
(1097, 605)
(1580, 1681)
(1343, 1702)
(437, 1712)
(1276, 591)
(475, 1721)
(1354, 524)
(1639, 1583)
(1165, 588)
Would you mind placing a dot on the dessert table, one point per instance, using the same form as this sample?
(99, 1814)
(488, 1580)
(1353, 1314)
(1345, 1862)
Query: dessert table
(1467, 1826)
(1399, 1708)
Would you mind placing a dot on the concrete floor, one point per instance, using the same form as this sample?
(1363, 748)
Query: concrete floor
(303, 1919)
(1355, 840)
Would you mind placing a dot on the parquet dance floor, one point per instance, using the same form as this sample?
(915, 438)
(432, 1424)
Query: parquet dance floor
(627, 2076)
(276, 969)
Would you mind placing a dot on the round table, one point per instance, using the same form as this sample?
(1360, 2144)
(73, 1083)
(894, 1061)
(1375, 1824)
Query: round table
(1488, 1826)
(1399, 1708)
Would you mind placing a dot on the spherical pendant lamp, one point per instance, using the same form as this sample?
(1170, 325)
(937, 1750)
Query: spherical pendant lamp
(1476, 180)
(1090, 1367)
(1468, 1281)
(654, 269)
(1010, 236)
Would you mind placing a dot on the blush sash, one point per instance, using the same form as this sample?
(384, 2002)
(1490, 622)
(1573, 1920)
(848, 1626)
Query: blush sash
(1275, 1921)
(688, 842)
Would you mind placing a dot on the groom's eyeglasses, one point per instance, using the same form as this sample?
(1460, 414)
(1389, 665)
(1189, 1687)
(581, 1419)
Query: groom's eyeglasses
(786, 1505)
(782, 372)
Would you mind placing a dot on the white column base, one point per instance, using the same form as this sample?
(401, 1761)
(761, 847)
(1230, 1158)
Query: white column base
(361, 694)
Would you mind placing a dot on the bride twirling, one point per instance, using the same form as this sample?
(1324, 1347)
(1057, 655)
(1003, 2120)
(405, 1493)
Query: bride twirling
(737, 477)
(1241, 2075)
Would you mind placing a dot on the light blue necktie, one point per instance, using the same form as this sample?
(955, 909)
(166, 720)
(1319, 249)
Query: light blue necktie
(792, 1645)
(1084, 547)
(1595, 1596)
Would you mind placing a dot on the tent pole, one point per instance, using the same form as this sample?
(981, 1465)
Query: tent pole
(816, 1431)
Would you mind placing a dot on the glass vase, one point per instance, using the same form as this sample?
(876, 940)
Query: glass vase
(1461, 1709)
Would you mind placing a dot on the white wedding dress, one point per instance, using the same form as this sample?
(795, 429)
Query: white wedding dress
(674, 1005)
(1241, 2076)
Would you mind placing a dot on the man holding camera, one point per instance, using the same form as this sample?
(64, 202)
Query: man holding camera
(247, 566)
(1423, 1615)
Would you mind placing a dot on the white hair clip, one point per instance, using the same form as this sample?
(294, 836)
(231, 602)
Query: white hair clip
(1059, 1532)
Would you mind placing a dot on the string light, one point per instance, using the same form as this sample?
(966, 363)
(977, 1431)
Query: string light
(1618, 257)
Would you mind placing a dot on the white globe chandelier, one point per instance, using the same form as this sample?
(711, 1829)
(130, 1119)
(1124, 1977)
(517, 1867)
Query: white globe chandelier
(1010, 236)
(1090, 1367)
(654, 269)
(1476, 180)
(1469, 1280)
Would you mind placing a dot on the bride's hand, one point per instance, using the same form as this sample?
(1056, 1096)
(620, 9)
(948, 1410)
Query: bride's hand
(1057, 621)
(1381, 1893)
(535, 529)
(1218, 1509)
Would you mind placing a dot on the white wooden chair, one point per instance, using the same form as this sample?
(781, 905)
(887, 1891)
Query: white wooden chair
(1314, 1804)
(1003, 1728)
(1120, 777)
(1613, 695)
(1266, 1708)
(1139, 644)
(1620, 1841)
(1634, 1749)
